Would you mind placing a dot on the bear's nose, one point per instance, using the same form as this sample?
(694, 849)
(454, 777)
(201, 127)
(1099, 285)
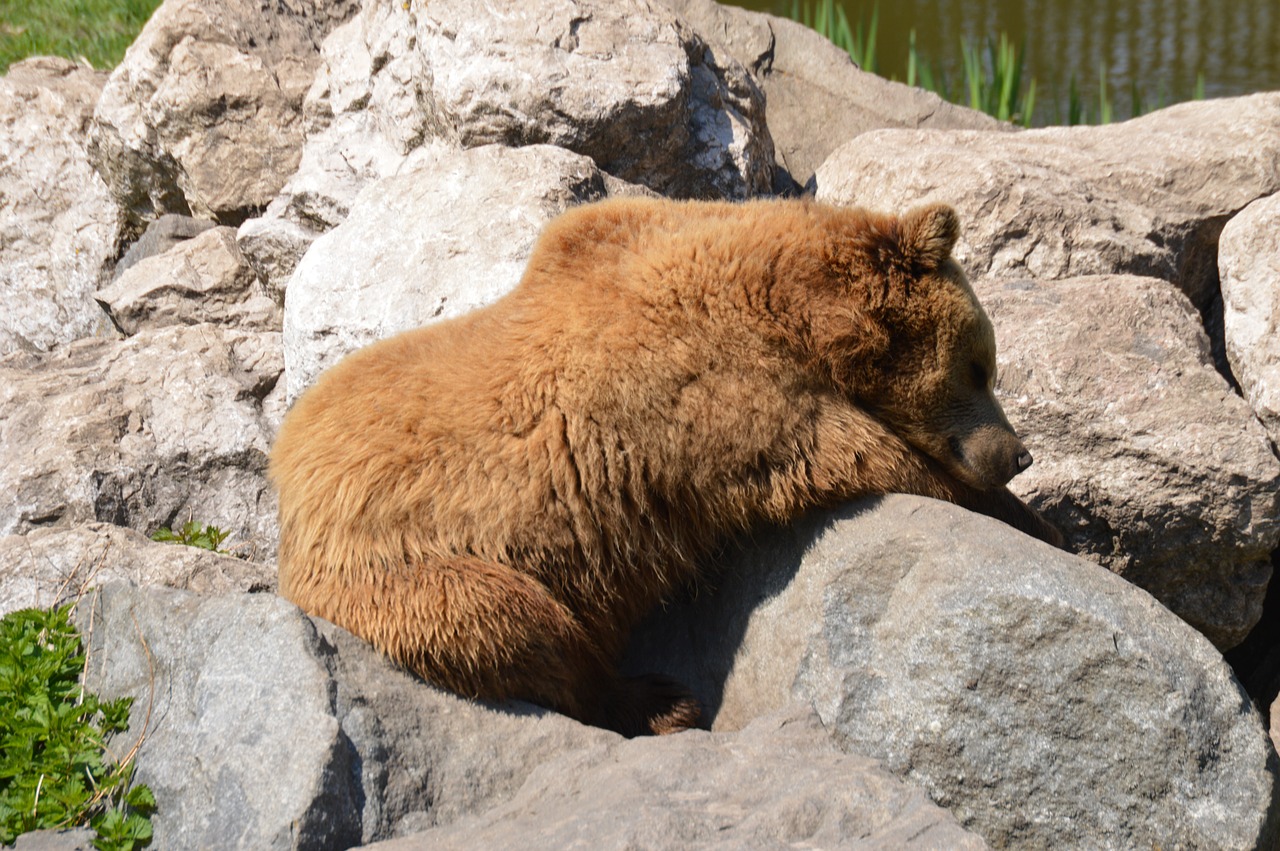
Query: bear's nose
(1024, 460)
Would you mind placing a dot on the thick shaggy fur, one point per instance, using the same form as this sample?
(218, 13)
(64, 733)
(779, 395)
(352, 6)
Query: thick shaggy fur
(495, 501)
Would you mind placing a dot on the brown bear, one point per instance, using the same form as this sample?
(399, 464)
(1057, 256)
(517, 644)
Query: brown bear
(496, 500)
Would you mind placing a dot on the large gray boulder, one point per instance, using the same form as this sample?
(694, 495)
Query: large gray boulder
(1145, 197)
(626, 84)
(1145, 457)
(168, 425)
(1041, 699)
(817, 99)
(58, 223)
(45, 567)
(448, 235)
(204, 114)
(261, 728)
(1249, 263)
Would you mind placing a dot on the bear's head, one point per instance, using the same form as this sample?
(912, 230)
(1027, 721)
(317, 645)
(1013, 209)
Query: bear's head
(903, 335)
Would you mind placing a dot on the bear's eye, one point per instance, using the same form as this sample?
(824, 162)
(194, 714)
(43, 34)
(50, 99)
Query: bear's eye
(979, 373)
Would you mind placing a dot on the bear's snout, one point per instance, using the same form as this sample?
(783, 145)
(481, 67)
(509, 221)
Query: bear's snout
(993, 456)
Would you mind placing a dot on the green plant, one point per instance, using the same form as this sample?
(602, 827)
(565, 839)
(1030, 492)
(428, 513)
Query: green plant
(1104, 102)
(55, 770)
(996, 87)
(194, 534)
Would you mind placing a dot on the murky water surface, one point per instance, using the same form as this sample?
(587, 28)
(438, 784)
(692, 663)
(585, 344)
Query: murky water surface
(1151, 50)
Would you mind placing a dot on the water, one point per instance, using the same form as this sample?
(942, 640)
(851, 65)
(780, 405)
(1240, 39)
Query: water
(1153, 50)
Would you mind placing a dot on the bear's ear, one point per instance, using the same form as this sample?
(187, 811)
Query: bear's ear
(928, 234)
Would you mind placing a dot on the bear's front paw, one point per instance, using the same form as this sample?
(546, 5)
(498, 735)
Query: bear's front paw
(1049, 533)
(654, 705)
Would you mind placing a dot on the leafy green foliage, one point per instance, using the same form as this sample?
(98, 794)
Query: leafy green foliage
(194, 534)
(98, 31)
(54, 767)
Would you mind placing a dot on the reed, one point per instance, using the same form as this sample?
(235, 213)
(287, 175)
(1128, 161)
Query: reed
(995, 87)
(830, 20)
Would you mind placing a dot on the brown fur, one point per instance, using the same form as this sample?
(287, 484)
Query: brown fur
(496, 500)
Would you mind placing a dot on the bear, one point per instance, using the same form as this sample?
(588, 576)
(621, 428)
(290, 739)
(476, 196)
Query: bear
(494, 501)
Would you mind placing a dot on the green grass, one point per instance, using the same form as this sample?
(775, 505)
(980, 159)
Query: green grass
(55, 767)
(96, 31)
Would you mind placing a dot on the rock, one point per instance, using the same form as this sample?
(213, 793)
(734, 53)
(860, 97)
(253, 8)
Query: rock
(621, 82)
(624, 83)
(225, 684)
(274, 246)
(443, 237)
(79, 86)
(1249, 264)
(167, 425)
(780, 783)
(202, 279)
(817, 98)
(78, 839)
(58, 223)
(210, 678)
(1145, 458)
(1042, 700)
(203, 115)
(1145, 197)
(1275, 723)
(46, 567)
(162, 234)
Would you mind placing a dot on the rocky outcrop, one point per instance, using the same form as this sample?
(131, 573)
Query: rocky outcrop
(1041, 699)
(48, 566)
(204, 115)
(225, 683)
(169, 424)
(942, 644)
(1249, 264)
(58, 223)
(470, 217)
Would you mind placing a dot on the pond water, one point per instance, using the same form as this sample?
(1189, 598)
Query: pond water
(1154, 50)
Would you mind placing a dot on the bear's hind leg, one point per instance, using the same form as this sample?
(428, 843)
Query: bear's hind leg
(486, 630)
